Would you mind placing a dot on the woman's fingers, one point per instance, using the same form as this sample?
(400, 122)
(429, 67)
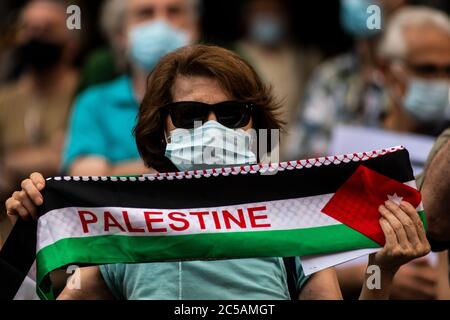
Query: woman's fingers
(33, 193)
(420, 245)
(9, 207)
(389, 234)
(24, 203)
(412, 213)
(403, 243)
(27, 203)
(395, 224)
(415, 244)
(38, 180)
(406, 221)
(15, 207)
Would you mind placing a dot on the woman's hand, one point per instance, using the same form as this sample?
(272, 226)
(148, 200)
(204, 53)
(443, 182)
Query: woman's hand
(24, 203)
(405, 241)
(405, 236)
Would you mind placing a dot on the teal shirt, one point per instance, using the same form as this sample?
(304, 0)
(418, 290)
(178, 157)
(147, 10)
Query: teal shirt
(246, 279)
(102, 122)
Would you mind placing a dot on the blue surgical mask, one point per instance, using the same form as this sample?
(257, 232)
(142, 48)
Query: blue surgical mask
(353, 16)
(149, 42)
(211, 145)
(266, 30)
(427, 100)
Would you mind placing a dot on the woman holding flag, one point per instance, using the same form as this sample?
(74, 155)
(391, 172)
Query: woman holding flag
(200, 98)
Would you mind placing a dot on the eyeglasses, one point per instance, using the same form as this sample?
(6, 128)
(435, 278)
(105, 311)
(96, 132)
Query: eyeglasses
(430, 70)
(232, 114)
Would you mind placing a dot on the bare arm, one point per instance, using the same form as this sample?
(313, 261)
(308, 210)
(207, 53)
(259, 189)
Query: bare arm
(98, 166)
(351, 277)
(322, 285)
(443, 287)
(414, 280)
(384, 291)
(436, 193)
(92, 287)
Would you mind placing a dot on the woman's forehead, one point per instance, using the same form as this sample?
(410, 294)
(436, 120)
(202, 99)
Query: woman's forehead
(199, 88)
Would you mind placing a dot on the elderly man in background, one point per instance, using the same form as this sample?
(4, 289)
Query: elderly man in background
(416, 52)
(416, 49)
(100, 140)
(34, 109)
(347, 89)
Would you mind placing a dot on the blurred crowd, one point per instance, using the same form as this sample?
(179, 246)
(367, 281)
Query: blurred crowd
(69, 100)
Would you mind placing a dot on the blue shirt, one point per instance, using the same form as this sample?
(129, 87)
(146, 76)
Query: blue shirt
(102, 122)
(246, 279)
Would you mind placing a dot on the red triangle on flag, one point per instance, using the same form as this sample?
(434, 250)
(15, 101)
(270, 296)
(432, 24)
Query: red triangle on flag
(356, 202)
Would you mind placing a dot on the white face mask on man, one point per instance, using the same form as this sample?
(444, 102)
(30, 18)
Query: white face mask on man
(427, 100)
(209, 146)
(150, 41)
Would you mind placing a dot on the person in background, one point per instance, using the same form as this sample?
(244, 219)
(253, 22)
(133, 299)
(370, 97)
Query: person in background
(268, 45)
(346, 89)
(434, 184)
(108, 62)
(415, 53)
(34, 109)
(100, 140)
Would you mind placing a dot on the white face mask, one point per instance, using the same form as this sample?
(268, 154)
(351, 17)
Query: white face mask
(427, 100)
(267, 30)
(211, 145)
(150, 41)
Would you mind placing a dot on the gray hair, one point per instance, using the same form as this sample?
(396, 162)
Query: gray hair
(392, 44)
(113, 16)
(112, 19)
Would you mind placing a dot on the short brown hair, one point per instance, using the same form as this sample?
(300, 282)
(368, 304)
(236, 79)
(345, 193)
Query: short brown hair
(234, 75)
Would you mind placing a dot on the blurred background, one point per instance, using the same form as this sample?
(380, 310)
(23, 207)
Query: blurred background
(313, 23)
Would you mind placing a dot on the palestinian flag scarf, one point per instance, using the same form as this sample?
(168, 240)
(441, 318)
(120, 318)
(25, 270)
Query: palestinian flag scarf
(295, 208)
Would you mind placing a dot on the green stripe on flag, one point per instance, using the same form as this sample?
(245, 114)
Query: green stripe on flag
(423, 217)
(136, 249)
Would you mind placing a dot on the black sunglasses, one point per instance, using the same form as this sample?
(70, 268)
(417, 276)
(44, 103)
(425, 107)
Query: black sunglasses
(232, 114)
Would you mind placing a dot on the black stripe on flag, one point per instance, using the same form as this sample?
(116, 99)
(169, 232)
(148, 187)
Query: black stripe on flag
(16, 257)
(220, 190)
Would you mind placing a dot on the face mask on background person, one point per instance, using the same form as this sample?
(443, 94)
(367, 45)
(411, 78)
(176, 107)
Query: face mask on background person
(427, 100)
(211, 145)
(354, 16)
(149, 42)
(39, 54)
(266, 30)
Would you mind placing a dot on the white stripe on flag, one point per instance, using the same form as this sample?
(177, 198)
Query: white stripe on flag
(27, 290)
(281, 215)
